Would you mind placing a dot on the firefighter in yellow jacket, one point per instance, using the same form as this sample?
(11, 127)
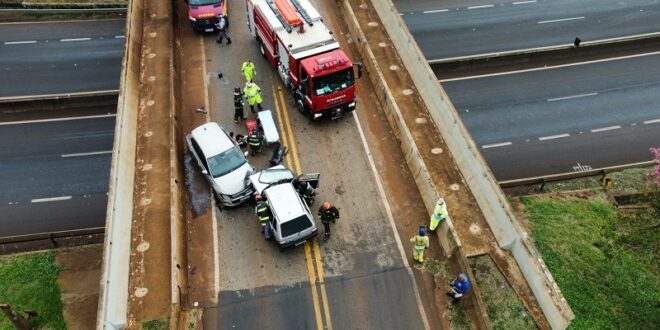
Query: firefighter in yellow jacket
(439, 214)
(421, 243)
(253, 95)
(248, 70)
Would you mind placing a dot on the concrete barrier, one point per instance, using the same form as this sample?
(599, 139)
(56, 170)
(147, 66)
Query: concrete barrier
(588, 50)
(54, 102)
(473, 168)
(112, 312)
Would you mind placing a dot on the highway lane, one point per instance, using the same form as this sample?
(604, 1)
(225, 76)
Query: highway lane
(60, 57)
(462, 28)
(56, 177)
(567, 112)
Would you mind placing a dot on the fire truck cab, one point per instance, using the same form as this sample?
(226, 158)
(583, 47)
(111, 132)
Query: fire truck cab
(292, 36)
(205, 14)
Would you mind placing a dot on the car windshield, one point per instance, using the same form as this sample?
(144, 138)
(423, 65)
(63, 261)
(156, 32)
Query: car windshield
(203, 2)
(226, 162)
(334, 82)
(295, 226)
(275, 175)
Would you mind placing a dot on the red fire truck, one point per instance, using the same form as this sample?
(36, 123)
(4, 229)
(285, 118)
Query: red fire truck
(292, 36)
(205, 14)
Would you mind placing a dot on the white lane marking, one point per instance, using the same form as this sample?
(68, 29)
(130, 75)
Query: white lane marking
(20, 42)
(560, 20)
(479, 7)
(120, 37)
(50, 199)
(93, 153)
(652, 121)
(435, 11)
(495, 145)
(552, 137)
(571, 97)
(603, 129)
(388, 210)
(75, 39)
(401, 14)
(54, 119)
(524, 2)
(550, 67)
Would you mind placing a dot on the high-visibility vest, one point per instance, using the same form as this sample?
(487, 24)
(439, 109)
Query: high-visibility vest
(262, 211)
(252, 91)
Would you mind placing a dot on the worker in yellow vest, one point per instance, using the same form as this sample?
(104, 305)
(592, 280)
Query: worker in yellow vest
(439, 214)
(248, 70)
(421, 243)
(253, 94)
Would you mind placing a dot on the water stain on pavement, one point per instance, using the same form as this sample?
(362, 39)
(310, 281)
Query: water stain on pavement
(197, 189)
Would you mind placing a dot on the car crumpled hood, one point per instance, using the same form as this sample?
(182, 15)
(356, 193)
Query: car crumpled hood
(234, 182)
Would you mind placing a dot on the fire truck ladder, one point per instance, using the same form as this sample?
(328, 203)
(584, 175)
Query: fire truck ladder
(302, 12)
(279, 16)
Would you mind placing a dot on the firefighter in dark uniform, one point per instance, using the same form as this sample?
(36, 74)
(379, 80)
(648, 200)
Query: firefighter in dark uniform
(327, 213)
(262, 210)
(255, 141)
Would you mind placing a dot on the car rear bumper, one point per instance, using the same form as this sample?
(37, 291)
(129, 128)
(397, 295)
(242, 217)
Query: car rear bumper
(298, 241)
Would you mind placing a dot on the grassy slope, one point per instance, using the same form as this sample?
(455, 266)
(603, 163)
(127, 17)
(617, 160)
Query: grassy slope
(605, 263)
(30, 282)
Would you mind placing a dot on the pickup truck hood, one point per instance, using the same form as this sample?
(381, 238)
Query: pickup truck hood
(234, 182)
(207, 11)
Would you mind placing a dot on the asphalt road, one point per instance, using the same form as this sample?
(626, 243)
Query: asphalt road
(547, 121)
(60, 57)
(54, 174)
(463, 28)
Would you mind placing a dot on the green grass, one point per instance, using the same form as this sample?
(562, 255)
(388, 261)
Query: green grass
(626, 181)
(604, 261)
(30, 282)
(156, 325)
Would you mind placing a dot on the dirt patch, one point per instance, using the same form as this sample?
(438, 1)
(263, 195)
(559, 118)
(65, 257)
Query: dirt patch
(79, 283)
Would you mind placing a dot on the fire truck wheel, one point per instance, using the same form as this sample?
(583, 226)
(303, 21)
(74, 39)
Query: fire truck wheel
(261, 48)
(301, 107)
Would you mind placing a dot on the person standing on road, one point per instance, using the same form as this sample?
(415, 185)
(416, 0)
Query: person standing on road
(248, 70)
(238, 105)
(439, 214)
(255, 141)
(253, 94)
(262, 210)
(222, 30)
(459, 286)
(327, 213)
(421, 243)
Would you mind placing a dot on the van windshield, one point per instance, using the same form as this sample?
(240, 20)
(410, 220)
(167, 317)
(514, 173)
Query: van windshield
(225, 162)
(275, 175)
(294, 226)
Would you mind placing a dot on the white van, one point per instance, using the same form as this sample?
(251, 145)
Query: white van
(222, 163)
(292, 222)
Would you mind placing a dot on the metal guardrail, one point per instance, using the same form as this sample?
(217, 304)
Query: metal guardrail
(62, 10)
(60, 96)
(40, 241)
(542, 180)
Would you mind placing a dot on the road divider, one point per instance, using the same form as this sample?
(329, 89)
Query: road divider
(57, 102)
(43, 241)
(606, 48)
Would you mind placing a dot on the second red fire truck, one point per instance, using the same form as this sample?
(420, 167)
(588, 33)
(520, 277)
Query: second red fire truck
(292, 36)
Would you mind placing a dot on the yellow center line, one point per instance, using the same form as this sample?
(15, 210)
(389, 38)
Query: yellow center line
(324, 295)
(308, 254)
(317, 253)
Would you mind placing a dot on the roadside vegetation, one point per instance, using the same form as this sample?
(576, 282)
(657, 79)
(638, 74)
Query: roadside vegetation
(29, 281)
(604, 258)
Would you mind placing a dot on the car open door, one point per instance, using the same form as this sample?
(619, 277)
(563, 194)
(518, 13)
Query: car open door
(311, 178)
